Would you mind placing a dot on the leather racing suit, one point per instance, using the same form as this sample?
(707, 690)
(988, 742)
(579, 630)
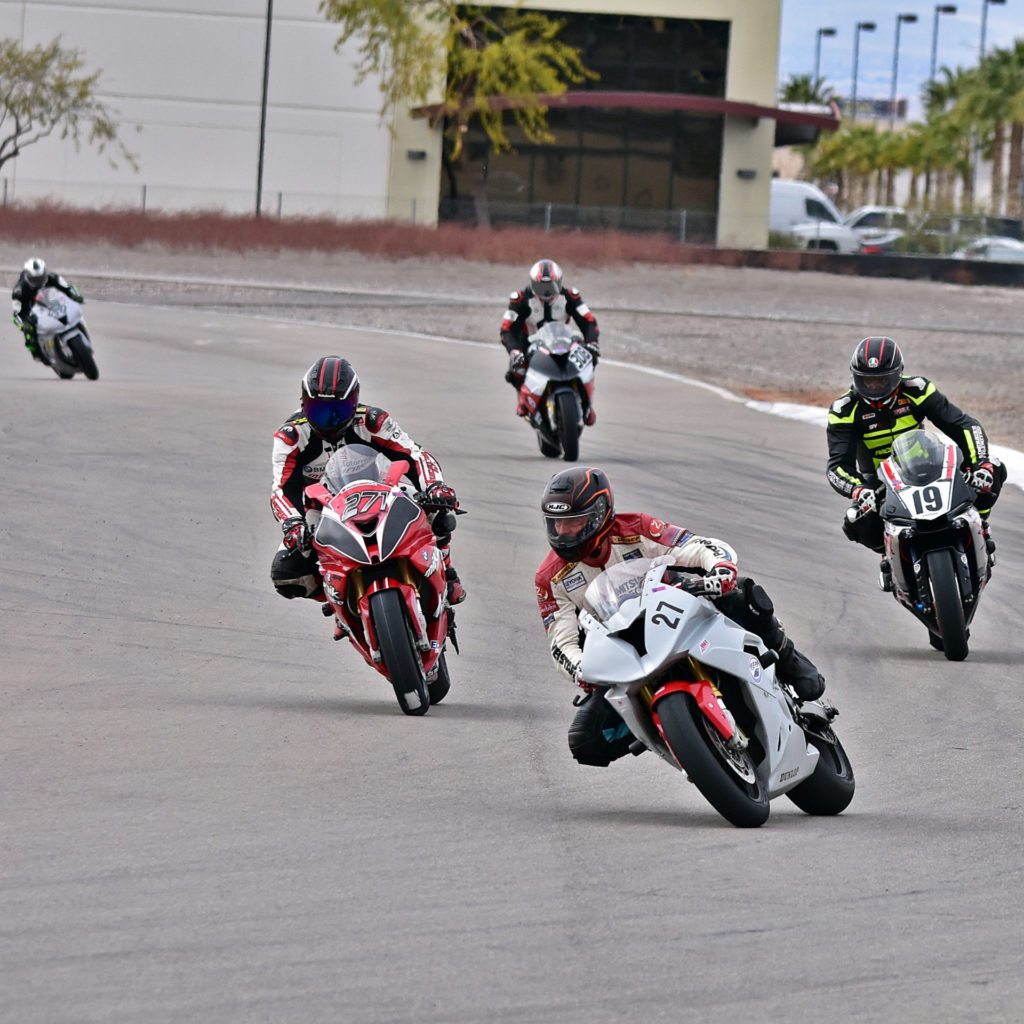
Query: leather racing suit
(526, 313)
(299, 458)
(597, 735)
(860, 438)
(23, 296)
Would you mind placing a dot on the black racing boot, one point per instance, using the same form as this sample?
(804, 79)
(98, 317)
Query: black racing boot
(885, 576)
(799, 672)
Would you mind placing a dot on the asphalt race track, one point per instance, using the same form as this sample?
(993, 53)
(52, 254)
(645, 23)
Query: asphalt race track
(211, 812)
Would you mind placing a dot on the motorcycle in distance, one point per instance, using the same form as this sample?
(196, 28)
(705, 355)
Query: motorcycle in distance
(940, 556)
(558, 389)
(384, 576)
(62, 335)
(701, 692)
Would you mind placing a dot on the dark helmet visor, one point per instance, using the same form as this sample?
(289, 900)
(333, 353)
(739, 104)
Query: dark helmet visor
(329, 416)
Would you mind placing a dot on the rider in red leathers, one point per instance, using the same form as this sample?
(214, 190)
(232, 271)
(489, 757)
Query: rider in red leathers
(542, 301)
(330, 416)
(586, 536)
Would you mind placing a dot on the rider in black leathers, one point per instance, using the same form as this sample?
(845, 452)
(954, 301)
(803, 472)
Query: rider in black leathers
(864, 421)
(35, 276)
(542, 301)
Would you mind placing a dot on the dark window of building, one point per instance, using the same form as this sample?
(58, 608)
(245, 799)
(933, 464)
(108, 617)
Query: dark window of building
(614, 167)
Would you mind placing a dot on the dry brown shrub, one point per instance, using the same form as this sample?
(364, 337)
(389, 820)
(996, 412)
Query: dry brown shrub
(210, 230)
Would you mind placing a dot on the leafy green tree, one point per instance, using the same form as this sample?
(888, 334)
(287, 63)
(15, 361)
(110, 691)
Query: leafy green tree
(43, 90)
(466, 54)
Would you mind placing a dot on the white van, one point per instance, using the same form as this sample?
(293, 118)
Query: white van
(802, 210)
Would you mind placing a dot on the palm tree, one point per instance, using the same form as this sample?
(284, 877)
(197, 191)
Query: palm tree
(806, 89)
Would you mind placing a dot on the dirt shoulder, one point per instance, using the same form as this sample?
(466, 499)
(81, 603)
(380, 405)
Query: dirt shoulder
(767, 333)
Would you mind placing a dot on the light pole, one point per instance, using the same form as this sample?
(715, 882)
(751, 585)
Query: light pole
(900, 19)
(817, 52)
(263, 108)
(984, 20)
(939, 9)
(862, 26)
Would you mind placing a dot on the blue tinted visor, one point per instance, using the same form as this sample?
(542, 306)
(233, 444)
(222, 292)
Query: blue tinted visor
(329, 416)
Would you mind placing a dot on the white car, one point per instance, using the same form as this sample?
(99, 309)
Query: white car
(994, 248)
(803, 211)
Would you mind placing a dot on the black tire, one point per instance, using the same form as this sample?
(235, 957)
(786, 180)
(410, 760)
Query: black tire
(568, 425)
(830, 788)
(549, 451)
(84, 357)
(64, 374)
(398, 651)
(728, 780)
(438, 689)
(949, 609)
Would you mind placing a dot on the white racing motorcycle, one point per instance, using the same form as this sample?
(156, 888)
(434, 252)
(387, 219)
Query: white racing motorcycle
(558, 389)
(62, 335)
(939, 555)
(701, 692)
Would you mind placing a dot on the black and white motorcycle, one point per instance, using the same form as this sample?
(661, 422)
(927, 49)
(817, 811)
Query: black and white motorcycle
(939, 553)
(62, 335)
(558, 389)
(701, 692)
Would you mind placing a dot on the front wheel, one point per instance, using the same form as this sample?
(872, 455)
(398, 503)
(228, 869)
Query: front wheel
(728, 779)
(398, 651)
(567, 413)
(438, 688)
(829, 789)
(949, 609)
(84, 357)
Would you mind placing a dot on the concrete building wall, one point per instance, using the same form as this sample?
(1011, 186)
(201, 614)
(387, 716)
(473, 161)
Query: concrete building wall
(189, 74)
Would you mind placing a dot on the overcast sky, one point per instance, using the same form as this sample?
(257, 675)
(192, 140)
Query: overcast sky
(959, 41)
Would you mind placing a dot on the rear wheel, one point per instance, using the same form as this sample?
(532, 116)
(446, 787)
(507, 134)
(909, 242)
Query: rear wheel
(568, 425)
(84, 357)
(829, 790)
(398, 651)
(949, 609)
(728, 779)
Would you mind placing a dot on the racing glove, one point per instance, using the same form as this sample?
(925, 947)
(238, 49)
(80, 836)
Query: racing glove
(438, 495)
(516, 367)
(865, 502)
(296, 534)
(719, 580)
(981, 477)
(594, 349)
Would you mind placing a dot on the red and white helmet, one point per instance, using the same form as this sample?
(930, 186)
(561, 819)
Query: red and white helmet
(546, 280)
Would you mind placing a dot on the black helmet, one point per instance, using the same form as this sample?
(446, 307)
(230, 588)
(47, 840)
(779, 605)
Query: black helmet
(330, 395)
(546, 280)
(579, 510)
(877, 368)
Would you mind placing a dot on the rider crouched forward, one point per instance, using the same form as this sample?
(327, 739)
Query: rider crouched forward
(331, 417)
(586, 536)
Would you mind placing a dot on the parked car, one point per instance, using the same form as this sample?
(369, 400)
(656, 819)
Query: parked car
(803, 211)
(994, 248)
(875, 221)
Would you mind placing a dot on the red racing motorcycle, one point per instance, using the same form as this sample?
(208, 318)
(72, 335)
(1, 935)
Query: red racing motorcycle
(383, 574)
